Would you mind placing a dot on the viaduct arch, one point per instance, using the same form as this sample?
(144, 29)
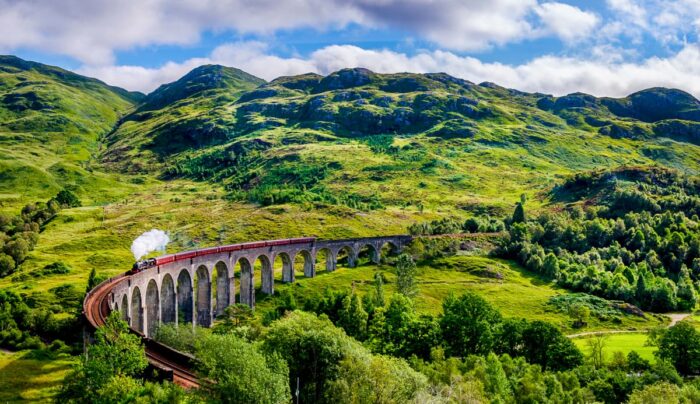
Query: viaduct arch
(194, 287)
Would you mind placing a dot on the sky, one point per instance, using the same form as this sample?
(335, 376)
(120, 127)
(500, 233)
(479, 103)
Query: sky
(601, 47)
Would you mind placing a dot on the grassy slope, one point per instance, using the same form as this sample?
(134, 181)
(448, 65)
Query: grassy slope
(26, 379)
(519, 294)
(50, 124)
(450, 158)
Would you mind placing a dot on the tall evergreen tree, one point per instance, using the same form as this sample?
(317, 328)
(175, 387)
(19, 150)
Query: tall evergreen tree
(379, 300)
(406, 275)
(519, 213)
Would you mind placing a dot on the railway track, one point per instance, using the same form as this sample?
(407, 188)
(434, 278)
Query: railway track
(96, 309)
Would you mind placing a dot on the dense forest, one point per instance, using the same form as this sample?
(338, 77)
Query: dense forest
(639, 243)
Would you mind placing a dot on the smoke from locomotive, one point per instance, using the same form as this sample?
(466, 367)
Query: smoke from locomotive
(152, 240)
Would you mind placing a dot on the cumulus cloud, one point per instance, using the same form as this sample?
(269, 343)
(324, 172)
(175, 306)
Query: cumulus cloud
(91, 31)
(569, 23)
(549, 74)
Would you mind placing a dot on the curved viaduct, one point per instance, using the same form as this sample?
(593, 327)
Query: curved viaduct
(196, 286)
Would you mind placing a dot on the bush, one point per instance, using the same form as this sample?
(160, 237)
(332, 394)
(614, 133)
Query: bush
(67, 199)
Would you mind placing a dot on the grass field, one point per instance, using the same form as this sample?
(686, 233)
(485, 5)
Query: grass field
(623, 342)
(518, 294)
(25, 379)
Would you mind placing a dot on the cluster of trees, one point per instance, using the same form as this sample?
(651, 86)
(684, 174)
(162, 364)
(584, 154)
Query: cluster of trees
(24, 328)
(642, 245)
(469, 325)
(468, 354)
(112, 369)
(19, 234)
(448, 225)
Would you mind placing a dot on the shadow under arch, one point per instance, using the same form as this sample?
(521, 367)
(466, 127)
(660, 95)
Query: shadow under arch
(287, 269)
(125, 308)
(203, 293)
(307, 261)
(267, 276)
(325, 256)
(222, 290)
(136, 310)
(184, 297)
(152, 308)
(168, 305)
(347, 256)
(247, 283)
(367, 254)
(388, 251)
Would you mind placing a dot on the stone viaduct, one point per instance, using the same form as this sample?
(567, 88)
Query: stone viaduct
(196, 286)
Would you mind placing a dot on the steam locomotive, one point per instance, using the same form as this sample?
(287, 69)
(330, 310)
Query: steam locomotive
(141, 265)
(166, 259)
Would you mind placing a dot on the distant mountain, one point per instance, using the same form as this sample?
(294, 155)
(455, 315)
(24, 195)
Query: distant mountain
(204, 81)
(191, 112)
(50, 124)
(353, 137)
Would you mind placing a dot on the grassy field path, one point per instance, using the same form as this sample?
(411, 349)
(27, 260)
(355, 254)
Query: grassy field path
(675, 318)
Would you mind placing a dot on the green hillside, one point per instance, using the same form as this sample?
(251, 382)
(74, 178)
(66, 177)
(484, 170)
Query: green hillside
(51, 121)
(423, 142)
(191, 113)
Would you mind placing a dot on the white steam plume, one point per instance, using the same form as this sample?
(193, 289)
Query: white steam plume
(153, 240)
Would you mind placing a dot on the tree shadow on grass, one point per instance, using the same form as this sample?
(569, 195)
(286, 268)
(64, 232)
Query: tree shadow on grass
(24, 378)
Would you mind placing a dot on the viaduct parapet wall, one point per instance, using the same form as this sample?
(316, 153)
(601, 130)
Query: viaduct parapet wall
(196, 286)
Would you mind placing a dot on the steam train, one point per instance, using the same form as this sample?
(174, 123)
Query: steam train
(166, 259)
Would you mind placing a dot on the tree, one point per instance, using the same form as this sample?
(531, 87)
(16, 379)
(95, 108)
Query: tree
(660, 393)
(519, 213)
(18, 249)
(312, 347)
(580, 313)
(496, 383)
(67, 198)
(92, 280)
(7, 264)
(117, 356)
(687, 298)
(550, 267)
(377, 379)
(680, 345)
(597, 345)
(352, 317)
(545, 345)
(406, 276)
(636, 363)
(240, 372)
(468, 324)
(379, 300)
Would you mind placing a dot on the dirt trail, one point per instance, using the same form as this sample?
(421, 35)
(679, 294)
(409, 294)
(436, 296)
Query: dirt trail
(675, 318)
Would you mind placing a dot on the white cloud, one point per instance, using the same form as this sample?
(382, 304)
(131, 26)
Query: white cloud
(548, 74)
(91, 31)
(569, 23)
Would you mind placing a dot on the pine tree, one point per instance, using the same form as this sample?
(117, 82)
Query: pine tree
(406, 276)
(497, 384)
(92, 280)
(352, 317)
(642, 293)
(519, 213)
(379, 300)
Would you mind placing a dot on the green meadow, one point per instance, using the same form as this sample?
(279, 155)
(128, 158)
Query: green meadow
(24, 378)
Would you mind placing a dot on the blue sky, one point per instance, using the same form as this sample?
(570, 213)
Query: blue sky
(604, 47)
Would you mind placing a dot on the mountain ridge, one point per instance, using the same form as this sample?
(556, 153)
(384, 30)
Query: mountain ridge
(299, 138)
